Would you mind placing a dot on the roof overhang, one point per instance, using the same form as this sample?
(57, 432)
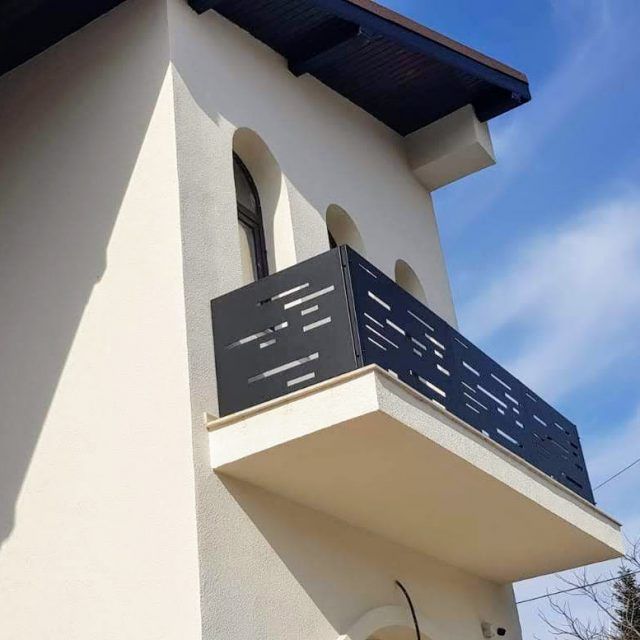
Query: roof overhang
(28, 27)
(402, 73)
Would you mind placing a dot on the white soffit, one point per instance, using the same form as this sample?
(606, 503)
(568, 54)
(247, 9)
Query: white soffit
(369, 450)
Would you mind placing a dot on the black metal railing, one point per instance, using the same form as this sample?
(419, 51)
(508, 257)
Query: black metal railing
(337, 312)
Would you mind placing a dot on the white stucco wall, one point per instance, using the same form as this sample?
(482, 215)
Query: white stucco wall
(97, 520)
(330, 151)
(269, 568)
(117, 227)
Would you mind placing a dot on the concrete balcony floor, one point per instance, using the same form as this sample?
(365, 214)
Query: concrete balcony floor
(367, 449)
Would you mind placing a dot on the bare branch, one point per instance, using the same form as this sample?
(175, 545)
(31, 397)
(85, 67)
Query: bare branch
(616, 605)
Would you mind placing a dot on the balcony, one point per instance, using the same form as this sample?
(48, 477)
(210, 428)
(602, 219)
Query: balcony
(339, 390)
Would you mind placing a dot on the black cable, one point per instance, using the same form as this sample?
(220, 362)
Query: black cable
(584, 586)
(413, 611)
(615, 475)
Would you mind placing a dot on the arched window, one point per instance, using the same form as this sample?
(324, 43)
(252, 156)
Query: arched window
(253, 252)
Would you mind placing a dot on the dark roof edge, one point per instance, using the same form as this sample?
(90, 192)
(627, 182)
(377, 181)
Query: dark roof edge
(387, 23)
(406, 23)
(368, 13)
(52, 24)
(508, 88)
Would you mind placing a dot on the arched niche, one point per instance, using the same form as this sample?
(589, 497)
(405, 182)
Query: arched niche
(343, 230)
(406, 277)
(274, 200)
(392, 622)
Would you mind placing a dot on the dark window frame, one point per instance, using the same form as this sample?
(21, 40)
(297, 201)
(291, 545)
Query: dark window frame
(253, 220)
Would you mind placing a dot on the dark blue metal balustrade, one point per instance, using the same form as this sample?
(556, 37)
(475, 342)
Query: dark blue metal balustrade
(337, 312)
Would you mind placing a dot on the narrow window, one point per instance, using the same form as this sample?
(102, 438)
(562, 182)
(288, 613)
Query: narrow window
(253, 253)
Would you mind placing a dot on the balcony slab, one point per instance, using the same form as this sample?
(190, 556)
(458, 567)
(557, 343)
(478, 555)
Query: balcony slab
(367, 449)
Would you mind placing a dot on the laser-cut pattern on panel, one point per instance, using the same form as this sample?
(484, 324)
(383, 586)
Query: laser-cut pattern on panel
(402, 335)
(337, 312)
(282, 333)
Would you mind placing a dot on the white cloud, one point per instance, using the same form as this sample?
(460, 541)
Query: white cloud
(597, 44)
(599, 47)
(573, 293)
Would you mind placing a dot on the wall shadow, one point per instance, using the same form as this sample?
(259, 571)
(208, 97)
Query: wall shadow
(72, 122)
(340, 568)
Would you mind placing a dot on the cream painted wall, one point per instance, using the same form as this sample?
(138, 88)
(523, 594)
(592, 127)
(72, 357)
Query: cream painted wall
(97, 518)
(283, 571)
(117, 226)
(330, 151)
(269, 568)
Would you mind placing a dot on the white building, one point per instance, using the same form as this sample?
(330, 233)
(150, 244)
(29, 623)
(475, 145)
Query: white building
(128, 508)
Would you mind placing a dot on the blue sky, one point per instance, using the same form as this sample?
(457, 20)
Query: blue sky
(543, 249)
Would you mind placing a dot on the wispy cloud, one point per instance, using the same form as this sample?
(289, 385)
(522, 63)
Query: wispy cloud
(593, 49)
(603, 46)
(566, 303)
(572, 293)
(600, 47)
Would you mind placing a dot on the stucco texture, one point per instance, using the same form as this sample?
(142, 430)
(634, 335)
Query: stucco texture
(270, 568)
(117, 227)
(97, 517)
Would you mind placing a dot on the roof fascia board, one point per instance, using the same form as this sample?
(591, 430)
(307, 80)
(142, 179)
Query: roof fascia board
(421, 44)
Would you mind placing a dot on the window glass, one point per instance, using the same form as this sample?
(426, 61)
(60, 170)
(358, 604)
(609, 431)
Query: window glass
(253, 252)
(248, 257)
(244, 189)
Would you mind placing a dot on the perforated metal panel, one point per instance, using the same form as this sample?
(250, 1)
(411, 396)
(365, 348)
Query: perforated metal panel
(282, 333)
(337, 312)
(400, 334)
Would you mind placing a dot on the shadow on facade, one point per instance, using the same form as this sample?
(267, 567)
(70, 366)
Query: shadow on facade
(73, 121)
(341, 568)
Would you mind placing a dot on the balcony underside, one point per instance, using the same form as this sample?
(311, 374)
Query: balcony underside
(369, 450)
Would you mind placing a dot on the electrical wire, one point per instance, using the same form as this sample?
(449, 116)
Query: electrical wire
(413, 611)
(592, 584)
(615, 475)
